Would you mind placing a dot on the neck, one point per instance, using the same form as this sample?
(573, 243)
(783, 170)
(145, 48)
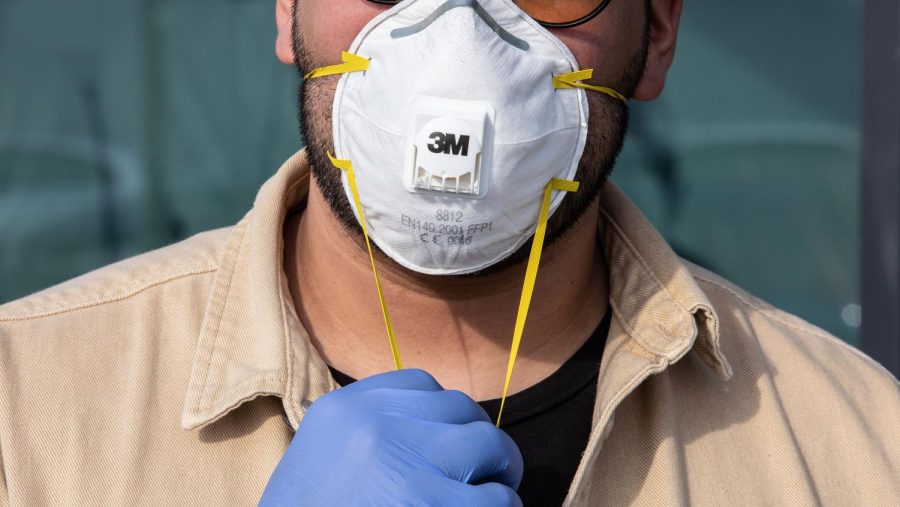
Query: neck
(459, 329)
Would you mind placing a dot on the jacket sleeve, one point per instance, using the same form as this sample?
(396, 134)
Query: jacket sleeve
(4, 491)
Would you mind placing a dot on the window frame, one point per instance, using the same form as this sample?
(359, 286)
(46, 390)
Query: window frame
(880, 173)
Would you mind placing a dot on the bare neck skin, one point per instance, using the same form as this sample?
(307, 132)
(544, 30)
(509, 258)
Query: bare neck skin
(459, 330)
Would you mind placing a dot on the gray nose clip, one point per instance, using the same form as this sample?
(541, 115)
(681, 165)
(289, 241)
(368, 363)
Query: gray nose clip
(415, 28)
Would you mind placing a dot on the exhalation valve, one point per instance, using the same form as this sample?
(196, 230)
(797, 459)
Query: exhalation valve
(446, 155)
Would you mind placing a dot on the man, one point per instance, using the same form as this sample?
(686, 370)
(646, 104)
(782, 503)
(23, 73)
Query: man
(181, 376)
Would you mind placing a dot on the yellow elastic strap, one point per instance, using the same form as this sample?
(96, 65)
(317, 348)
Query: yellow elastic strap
(347, 167)
(571, 80)
(352, 63)
(534, 259)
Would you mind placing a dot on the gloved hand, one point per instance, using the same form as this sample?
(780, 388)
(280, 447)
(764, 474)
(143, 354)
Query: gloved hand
(397, 438)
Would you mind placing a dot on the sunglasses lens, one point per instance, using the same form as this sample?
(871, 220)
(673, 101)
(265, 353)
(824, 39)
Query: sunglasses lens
(559, 11)
(549, 11)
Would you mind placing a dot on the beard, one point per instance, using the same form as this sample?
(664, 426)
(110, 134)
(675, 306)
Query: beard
(607, 125)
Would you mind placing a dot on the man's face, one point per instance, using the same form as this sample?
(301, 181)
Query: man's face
(615, 44)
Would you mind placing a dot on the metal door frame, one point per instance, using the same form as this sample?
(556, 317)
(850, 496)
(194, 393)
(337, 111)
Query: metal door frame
(880, 214)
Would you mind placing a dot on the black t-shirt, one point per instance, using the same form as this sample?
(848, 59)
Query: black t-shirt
(550, 421)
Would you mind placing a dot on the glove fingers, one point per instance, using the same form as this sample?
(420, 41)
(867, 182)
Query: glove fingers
(491, 494)
(472, 453)
(444, 491)
(445, 406)
(408, 379)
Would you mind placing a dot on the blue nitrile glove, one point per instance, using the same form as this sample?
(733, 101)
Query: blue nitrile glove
(397, 438)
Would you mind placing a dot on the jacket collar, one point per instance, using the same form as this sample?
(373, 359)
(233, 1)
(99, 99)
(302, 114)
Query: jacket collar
(252, 344)
(652, 291)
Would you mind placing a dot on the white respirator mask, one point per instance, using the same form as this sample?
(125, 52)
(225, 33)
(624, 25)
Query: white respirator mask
(454, 129)
(459, 125)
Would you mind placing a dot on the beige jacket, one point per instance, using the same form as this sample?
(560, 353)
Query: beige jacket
(177, 378)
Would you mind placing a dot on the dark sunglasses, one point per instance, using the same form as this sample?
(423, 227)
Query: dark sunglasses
(563, 14)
